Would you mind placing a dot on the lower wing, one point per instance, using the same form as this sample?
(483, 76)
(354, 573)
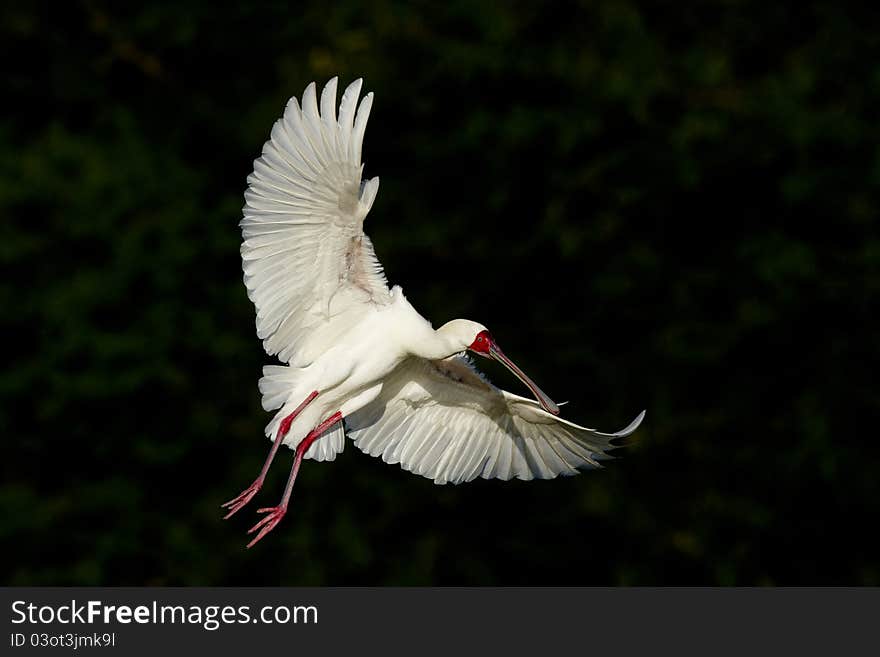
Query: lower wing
(445, 421)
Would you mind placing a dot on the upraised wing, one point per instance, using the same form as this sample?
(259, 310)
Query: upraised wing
(305, 255)
(445, 421)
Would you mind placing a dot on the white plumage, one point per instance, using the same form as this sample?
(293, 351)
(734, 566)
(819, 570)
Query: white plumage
(445, 421)
(359, 358)
(304, 242)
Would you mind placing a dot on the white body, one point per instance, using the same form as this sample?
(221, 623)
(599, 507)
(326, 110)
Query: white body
(348, 374)
(324, 308)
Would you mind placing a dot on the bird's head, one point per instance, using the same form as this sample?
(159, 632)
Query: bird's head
(463, 334)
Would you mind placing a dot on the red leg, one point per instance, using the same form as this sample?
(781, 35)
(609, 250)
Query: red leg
(274, 514)
(237, 503)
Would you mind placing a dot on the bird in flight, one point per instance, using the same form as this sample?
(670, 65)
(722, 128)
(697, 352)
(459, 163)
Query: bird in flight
(358, 358)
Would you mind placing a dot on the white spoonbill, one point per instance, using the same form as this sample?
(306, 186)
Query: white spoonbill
(359, 358)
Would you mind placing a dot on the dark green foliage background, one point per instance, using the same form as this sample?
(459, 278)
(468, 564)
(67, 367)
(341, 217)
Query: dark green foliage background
(670, 206)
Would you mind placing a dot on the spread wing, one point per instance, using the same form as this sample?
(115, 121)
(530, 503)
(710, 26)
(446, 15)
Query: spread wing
(305, 255)
(445, 421)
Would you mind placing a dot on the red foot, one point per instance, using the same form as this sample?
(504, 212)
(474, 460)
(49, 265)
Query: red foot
(276, 513)
(237, 503)
(273, 517)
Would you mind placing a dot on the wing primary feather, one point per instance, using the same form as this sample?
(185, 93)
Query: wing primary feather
(360, 125)
(347, 109)
(328, 103)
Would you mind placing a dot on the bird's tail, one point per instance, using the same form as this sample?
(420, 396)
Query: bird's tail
(277, 384)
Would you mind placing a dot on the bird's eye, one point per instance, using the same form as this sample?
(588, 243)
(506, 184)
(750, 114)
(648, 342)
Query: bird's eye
(480, 339)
